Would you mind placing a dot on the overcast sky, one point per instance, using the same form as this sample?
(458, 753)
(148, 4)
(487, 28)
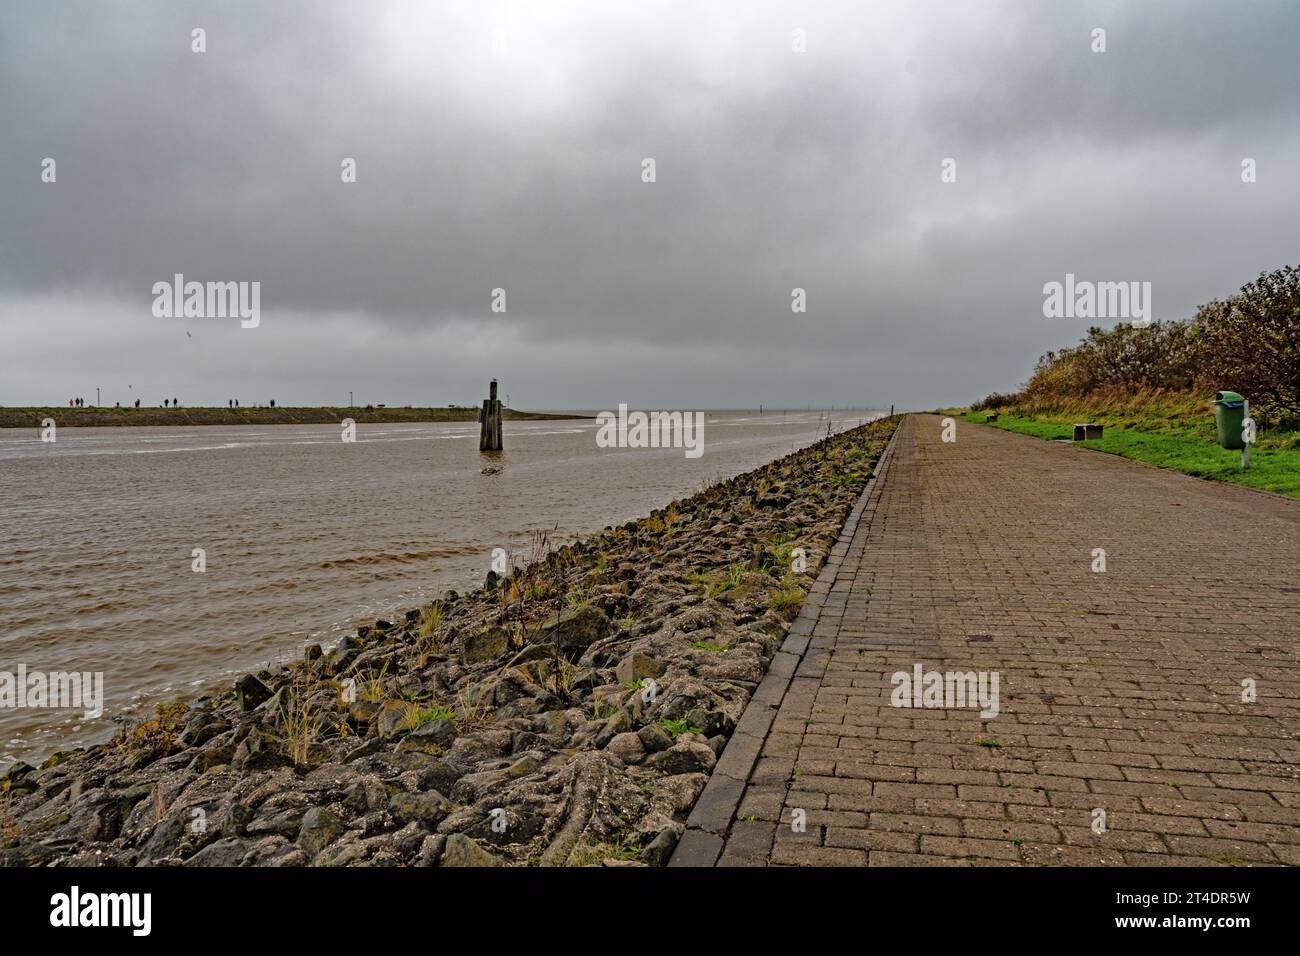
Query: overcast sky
(501, 145)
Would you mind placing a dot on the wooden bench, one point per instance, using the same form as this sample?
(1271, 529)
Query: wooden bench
(1086, 432)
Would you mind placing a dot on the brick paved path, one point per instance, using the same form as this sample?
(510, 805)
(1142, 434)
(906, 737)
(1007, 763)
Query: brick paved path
(1119, 691)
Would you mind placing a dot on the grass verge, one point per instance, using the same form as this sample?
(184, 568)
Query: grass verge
(1178, 442)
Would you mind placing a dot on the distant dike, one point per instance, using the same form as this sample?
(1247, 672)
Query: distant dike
(98, 417)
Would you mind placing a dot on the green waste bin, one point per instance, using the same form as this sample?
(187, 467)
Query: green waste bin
(1229, 414)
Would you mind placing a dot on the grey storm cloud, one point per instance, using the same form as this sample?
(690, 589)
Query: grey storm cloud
(501, 146)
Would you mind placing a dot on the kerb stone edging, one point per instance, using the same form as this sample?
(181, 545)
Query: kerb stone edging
(701, 844)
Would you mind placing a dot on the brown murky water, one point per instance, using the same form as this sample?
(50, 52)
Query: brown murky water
(305, 537)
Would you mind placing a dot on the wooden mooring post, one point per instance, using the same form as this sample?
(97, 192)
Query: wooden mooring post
(489, 435)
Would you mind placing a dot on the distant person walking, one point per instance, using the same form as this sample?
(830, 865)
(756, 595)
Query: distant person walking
(164, 403)
(230, 403)
(137, 403)
(176, 403)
